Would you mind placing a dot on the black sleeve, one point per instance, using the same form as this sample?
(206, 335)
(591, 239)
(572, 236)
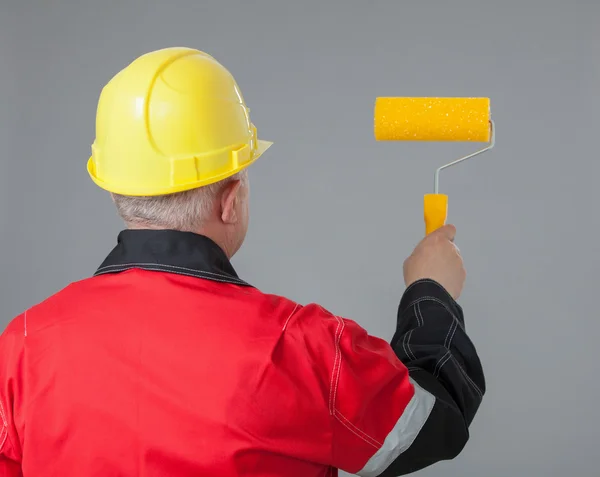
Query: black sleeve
(431, 341)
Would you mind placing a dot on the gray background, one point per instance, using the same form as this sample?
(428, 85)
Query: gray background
(334, 213)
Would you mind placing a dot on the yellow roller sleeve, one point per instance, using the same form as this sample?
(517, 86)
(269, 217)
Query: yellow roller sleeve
(432, 119)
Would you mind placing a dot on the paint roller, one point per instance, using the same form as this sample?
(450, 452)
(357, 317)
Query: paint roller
(435, 119)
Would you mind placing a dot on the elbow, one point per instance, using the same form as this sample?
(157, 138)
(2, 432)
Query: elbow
(441, 440)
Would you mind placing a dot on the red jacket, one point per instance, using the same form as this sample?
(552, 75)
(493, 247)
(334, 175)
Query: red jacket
(165, 363)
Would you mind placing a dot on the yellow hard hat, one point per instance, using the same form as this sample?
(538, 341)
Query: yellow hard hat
(173, 120)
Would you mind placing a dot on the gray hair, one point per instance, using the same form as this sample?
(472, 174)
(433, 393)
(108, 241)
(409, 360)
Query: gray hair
(186, 211)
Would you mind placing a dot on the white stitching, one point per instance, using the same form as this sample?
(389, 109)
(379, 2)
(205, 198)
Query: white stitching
(448, 334)
(354, 431)
(477, 390)
(334, 387)
(335, 377)
(450, 329)
(406, 346)
(334, 365)
(431, 298)
(196, 274)
(25, 323)
(455, 323)
(453, 333)
(439, 361)
(419, 314)
(177, 267)
(290, 317)
(425, 280)
(419, 323)
(410, 333)
(192, 273)
(4, 427)
(366, 437)
(124, 266)
(442, 364)
(2, 415)
(5, 424)
(439, 285)
(447, 347)
(339, 370)
(5, 432)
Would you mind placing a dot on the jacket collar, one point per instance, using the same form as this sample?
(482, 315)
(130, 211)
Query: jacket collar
(183, 253)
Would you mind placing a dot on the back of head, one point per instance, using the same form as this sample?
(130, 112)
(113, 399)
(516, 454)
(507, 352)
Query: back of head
(188, 211)
(172, 129)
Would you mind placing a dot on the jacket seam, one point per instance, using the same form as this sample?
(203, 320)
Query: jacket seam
(335, 378)
(356, 431)
(429, 281)
(467, 377)
(4, 434)
(159, 268)
(285, 325)
(6, 437)
(176, 267)
(441, 362)
(436, 300)
(335, 375)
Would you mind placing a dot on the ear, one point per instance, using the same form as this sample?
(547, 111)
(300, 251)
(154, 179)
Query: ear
(229, 200)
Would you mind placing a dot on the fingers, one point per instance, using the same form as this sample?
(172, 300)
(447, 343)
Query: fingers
(447, 231)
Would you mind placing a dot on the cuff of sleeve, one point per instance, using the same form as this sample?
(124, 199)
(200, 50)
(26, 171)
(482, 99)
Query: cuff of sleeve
(426, 288)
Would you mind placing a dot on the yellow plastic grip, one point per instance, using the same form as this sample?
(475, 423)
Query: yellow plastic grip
(435, 211)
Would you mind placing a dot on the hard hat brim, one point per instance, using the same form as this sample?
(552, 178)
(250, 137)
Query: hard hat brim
(261, 147)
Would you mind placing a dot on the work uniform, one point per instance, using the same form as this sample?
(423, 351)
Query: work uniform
(166, 363)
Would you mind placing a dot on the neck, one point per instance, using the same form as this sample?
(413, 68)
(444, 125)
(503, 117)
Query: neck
(220, 238)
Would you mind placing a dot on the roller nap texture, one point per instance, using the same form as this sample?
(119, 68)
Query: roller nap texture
(432, 119)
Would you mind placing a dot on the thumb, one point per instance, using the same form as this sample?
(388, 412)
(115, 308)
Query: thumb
(448, 232)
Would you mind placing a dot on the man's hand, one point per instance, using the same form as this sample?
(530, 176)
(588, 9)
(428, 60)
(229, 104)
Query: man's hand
(437, 258)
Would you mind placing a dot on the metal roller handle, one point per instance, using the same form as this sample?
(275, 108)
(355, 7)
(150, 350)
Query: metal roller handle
(436, 183)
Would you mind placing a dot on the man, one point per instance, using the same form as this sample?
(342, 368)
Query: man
(166, 363)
